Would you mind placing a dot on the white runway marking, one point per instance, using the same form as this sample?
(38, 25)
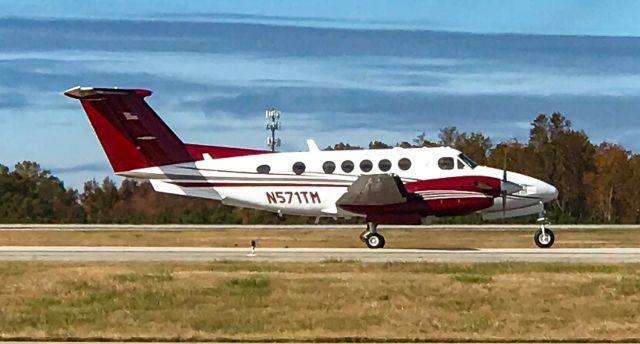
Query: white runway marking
(110, 253)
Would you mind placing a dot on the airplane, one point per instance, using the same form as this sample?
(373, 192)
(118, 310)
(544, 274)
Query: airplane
(384, 186)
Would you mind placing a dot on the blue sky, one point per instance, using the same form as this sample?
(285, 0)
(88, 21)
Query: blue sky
(349, 71)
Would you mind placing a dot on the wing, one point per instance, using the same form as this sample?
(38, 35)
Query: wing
(382, 198)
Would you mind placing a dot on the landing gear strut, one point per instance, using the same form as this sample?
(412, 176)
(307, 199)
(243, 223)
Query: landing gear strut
(371, 237)
(544, 237)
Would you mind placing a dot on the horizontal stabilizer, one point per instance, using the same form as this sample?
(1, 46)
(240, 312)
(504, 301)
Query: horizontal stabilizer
(171, 188)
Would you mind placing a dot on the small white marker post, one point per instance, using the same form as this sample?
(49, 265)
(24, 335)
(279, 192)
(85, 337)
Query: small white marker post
(253, 249)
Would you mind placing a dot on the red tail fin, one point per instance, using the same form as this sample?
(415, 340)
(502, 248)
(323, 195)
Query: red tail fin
(131, 133)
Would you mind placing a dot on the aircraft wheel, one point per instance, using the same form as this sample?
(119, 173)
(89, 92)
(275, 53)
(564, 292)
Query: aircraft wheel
(544, 240)
(364, 235)
(375, 240)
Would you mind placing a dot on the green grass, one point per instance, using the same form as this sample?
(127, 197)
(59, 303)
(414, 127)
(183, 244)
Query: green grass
(471, 279)
(151, 277)
(395, 238)
(319, 301)
(9, 269)
(248, 287)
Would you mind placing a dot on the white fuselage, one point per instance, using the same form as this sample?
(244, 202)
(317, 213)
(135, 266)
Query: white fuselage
(243, 181)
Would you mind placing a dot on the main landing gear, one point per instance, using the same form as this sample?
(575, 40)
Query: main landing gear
(371, 237)
(544, 237)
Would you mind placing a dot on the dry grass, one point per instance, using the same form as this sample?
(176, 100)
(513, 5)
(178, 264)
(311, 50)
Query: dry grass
(396, 238)
(331, 301)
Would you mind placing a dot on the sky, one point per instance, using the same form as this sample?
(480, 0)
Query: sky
(339, 71)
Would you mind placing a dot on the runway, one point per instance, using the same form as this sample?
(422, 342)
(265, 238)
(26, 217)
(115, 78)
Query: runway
(156, 254)
(183, 227)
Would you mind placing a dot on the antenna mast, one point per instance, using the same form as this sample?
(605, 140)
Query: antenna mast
(273, 124)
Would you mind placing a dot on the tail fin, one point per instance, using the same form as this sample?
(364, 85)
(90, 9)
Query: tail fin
(130, 132)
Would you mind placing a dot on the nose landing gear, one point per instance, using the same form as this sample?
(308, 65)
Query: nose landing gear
(371, 237)
(544, 237)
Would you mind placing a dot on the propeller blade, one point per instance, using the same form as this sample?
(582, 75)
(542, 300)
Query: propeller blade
(504, 167)
(505, 186)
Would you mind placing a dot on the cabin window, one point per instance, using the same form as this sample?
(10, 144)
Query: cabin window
(467, 160)
(347, 166)
(298, 168)
(328, 167)
(384, 165)
(263, 169)
(445, 163)
(460, 164)
(366, 165)
(404, 164)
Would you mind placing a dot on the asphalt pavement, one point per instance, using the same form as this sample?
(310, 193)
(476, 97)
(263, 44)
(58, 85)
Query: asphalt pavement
(464, 255)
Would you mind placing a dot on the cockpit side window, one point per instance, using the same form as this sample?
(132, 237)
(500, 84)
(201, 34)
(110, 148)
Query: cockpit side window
(446, 163)
(467, 160)
(460, 164)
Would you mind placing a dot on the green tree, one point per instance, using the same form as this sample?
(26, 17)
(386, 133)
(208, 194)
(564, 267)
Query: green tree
(378, 145)
(420, 141)
(606, 184)
(31, 194)
(631, 192)
(448, 136)
(475, 145)
(343, 146)
(513, 155)
(562, 156)
(99, 200)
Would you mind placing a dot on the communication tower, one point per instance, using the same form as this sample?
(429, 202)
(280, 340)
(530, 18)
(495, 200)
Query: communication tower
(273, 124)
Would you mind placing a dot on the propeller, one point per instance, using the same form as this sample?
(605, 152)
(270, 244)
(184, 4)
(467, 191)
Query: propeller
(503, 190)
(507, 187)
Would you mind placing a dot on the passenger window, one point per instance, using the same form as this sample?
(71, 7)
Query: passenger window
(366, 165)
(404, 164)
(460, 165)
(328, 167)
(347, 166)
(298, 168)
(263, 169)
(384, 165)
(445, 163)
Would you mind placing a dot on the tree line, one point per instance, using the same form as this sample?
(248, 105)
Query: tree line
(598, 183)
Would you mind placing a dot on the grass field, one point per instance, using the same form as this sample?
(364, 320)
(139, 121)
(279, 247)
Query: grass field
(323, 301)
(396, 238)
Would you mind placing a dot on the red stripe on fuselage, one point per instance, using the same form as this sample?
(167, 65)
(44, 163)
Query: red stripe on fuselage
(204, 184)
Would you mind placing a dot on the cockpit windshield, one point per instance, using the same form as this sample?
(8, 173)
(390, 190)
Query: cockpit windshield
(467, 160)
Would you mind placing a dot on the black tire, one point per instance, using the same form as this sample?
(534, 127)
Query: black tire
(375, 240)
(542, 241)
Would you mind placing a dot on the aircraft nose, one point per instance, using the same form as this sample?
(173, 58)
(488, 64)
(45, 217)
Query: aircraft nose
(546, 191)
